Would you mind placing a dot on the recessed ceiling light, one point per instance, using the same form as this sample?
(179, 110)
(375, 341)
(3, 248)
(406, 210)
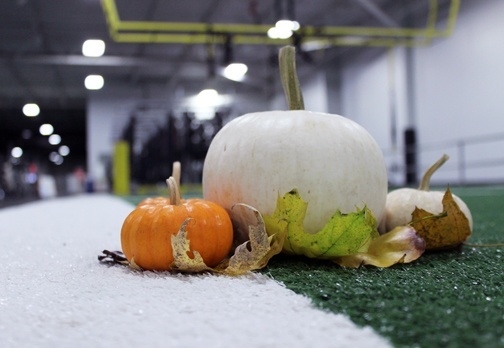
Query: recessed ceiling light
(208, 94)
(94, 82)
(46, 129)
(56, 158)
(235, 71)
(31, 110)
(64, 150)
(93, 48)
(17, 152)
(54, 139)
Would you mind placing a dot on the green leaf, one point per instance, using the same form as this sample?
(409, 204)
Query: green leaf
(344, 234)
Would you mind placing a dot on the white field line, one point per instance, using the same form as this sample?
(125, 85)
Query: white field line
(54, 293)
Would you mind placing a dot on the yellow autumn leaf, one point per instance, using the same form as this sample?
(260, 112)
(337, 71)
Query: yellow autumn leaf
(442, 232)
(343, 234)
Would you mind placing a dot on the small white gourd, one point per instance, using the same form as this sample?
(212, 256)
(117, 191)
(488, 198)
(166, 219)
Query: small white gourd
(402, 202)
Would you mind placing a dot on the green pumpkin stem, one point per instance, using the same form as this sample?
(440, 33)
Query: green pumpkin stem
(174, 191)
(288, 75)
(424, 184)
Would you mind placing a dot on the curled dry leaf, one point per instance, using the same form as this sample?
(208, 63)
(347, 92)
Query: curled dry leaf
(262, 247)
(442, 231)
(401, 245)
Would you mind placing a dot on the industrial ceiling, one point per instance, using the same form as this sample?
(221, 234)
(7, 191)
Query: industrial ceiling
(170, 41)
(174, 44)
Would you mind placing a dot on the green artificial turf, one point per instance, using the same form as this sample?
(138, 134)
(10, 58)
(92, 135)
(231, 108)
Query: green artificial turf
(444, 299)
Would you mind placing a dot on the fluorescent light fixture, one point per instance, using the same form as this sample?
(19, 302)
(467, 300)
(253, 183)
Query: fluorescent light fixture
(31, 110)
(46, 129)
(54, 139)
(235, 71)
(64, 150)
(93, 48)
(17, 152)
(94, 82)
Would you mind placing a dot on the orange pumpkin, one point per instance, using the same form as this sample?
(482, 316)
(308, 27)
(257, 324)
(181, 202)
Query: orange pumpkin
(146, 232)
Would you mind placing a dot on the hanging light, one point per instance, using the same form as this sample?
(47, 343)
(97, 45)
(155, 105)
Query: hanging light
(283, 29)
(93, 48)
(17, 152)
(94, 82)
(46, 129)
(31, 110)
(64, 150)
(54, 139)
(235, 71)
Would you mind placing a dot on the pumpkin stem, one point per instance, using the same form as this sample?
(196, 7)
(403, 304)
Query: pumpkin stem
(288, 75)
(176, 170)
(424, 184)
(174, 190)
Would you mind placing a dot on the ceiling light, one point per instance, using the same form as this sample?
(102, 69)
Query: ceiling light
(94, 82)
(54, 139)
(31, 110)
(93, 48)
(235, 71)
(64, 150)
(56, 158)
(207, 95)
(46, 129)
(283, 29)
(279, 33)
(285, 24)
(17, 152)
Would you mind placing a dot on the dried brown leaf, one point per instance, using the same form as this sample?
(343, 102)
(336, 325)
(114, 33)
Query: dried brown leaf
(442, 231)
(262, 247)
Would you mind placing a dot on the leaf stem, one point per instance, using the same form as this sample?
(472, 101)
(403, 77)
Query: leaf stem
(174, 191)
(288, 75)
(424, 184)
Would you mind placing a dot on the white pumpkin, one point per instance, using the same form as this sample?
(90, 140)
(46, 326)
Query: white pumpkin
(402, 202)
(333, 162)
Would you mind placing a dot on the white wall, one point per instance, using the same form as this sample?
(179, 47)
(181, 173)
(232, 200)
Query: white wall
(374, 95)
(461, 88)
(459, 93)
(106, 116)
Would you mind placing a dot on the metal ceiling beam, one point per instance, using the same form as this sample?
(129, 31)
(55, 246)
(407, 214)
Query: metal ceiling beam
(197, 33)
